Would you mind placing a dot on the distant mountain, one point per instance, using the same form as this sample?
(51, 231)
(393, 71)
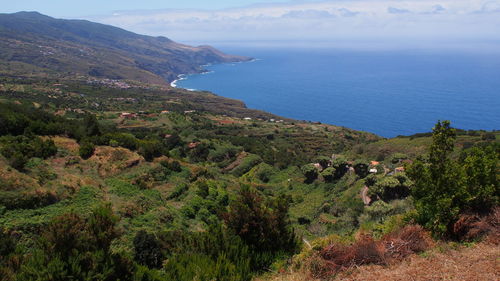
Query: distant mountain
(35, 44)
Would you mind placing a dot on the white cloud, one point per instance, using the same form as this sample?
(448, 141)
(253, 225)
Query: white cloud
(393, 10)
(323, 20)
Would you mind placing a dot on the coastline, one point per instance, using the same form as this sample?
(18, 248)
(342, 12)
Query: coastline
(184, 76)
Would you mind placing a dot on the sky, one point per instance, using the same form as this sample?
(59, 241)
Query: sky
(452, 22)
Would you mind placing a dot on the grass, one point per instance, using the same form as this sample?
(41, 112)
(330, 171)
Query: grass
(83, 202)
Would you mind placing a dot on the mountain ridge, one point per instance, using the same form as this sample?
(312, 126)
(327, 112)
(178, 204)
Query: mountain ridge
(36, 44)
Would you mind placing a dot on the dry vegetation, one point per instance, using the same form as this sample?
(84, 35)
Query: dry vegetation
(391, 249)
(478, 263)
(407, 254)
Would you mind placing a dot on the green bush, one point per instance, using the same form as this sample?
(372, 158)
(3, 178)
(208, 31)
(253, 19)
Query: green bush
(391, 187)
(212, 255)
(341, 167)
(324, 161)
(19, 149)
(246, 165)
(147, 250)
(149, 149)
(178, 191)
(72, 246)
(310, 172)
(398, 157)
(86, 150)
(263, 226)
(262, 172)
(361, 168)
(328, 174)
(445, 188)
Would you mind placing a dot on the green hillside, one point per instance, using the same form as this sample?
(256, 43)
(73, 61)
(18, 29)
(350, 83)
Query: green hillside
(108, 174)
(35, 44)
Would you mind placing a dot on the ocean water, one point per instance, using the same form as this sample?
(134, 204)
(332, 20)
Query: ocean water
(389, 93)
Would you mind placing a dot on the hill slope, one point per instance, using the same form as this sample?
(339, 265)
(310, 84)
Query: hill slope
(32, 43)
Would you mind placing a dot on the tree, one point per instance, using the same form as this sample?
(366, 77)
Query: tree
(324, 161)
(263, 226)
(445, 188)
(341, 167)
(86, 149)
(74, 248)
(436, 182)
(361, 168)
(147, 250)
(391, 188)
(328, 174)
(91, 126)
(310, 172)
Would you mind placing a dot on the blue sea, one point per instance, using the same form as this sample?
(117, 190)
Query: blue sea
(389, 93)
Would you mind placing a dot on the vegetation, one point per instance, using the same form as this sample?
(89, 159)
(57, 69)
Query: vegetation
(203, 196)
(107, 173)
(446, 188)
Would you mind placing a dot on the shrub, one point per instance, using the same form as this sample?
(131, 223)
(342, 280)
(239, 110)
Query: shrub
(200, 152)
(121, 139)
(328, 174)
(20, 149)
(263, 226)
(178, 191)
(212, 255)
(147, 250)
(173, 166)
(91, 126)
(488, 136)
(398, 157)
(223, 153)
(71, 246)
(445, 188)
(341, 167)
(391, 187)
(361, 168)
(310, 172)
(202, 188)
(365, 250)
(263, 172)
(324, 161)
(246, 165)
(149, 149)
(337, 257)
(86, 150)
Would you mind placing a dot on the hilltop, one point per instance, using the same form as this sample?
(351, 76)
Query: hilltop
(37, 45)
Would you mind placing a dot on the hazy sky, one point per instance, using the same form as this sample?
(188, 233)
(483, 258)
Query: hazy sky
(72, 8)
(389, 21)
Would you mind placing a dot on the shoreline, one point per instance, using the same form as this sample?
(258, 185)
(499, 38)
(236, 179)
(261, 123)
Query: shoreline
(185, 76)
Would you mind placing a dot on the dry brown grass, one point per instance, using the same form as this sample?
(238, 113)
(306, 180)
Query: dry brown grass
(471, 227)
(69, 144)
(111, 161)
(477, 263)
(480, 262)
(392, 248)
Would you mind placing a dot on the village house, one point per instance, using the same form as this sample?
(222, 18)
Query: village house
(128, 115)
(193, 145)
(399, 169)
